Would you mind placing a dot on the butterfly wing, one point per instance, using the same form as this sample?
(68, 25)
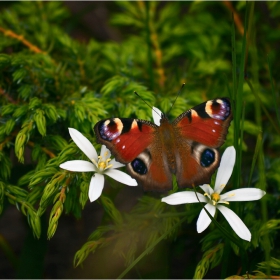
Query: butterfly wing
(201, 131)
(188, 147)
(135, 143)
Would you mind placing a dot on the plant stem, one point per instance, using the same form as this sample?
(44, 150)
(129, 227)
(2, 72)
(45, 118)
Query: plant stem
(149, 45)
(258, 116)
(6, 248)
(10, 33)
(149, 249)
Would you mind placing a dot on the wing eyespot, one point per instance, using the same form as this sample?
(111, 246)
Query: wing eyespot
(139, 166)
(218, 109)
(207, 158)
(110, 129)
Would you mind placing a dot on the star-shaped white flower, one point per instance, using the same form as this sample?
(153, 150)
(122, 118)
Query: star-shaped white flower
(214, 199)
(99, 164)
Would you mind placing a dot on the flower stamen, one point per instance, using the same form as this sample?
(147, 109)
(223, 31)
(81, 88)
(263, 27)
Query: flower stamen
(215, 197)
(109, 166)
(223, 201)
(103, 163)
(94, 161)
(208, 195)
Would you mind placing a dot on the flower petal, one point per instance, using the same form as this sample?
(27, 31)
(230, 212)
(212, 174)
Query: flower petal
(183, 197)
(116, 164)
(246, 194)
(121, 177)
(203, 219)
(83, 143)
(225, 169)
(95, 187)
(78, 166)
(236, 223)
(105, 153)
(206, 188)
(156, 115)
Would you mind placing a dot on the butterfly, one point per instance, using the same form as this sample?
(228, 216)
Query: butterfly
(188, 147)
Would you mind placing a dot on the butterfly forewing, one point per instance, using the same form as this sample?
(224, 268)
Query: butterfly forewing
(206, 123)
(125, 138)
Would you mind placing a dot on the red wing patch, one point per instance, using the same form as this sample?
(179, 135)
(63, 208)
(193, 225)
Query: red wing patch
(126, 138)
(206, 123)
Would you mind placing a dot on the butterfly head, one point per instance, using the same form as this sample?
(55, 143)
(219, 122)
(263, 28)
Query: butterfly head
(164, 120)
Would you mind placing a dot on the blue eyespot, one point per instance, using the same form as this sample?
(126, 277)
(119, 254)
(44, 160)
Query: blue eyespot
(207, 158)
(139, 166)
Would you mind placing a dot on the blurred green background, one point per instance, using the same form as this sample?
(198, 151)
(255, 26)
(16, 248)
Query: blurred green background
(75, 63)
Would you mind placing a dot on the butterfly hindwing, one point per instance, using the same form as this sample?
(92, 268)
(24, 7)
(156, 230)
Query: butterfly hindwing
(196, 164)
(151, 171)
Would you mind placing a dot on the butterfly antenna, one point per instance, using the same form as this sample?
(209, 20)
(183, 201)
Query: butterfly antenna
(179, 92)
(146, 103)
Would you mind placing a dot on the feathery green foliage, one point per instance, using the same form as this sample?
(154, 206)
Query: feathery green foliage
(50, 81)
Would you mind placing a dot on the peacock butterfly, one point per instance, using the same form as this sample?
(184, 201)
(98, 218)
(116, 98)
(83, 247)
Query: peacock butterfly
(187, 147)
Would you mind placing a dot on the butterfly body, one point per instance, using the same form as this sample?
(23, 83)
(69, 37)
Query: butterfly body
(186, 147)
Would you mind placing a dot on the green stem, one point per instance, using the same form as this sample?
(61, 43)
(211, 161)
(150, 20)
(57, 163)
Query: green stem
(263, 107)
(227, 258)
(258, 116)
(234, 68)
(149, 45)
(8, 252)
(276, 106)
(150, 248)
(256, 153)
(167, 215)
(238, 98)
(22, 202)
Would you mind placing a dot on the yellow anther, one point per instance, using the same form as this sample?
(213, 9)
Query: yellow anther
(109, 166)
(224, 202)
(208, 195)
(102, 165)
(215, 197)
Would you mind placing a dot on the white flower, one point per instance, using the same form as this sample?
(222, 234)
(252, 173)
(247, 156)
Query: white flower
(214, 199)
(99, 164)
